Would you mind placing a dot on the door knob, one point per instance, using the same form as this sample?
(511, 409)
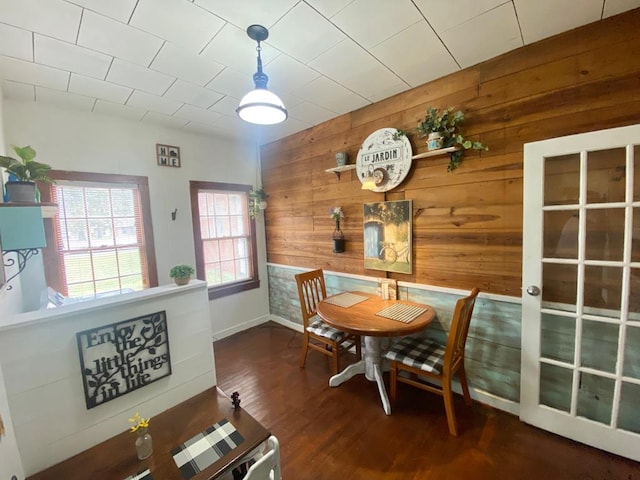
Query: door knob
(533, 290)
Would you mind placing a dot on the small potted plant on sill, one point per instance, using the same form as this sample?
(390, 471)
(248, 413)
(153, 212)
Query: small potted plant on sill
(257, 201)
(442, 129)
(336, 214)
(181, 274)
(23, 174)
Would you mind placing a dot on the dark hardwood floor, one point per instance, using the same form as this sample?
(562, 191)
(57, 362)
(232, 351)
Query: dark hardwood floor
(343, 433)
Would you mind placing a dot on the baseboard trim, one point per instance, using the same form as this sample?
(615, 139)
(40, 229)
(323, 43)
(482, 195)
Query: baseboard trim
(227, 332)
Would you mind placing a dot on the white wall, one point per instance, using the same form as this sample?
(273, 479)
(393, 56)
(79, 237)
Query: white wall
(90, 142)
(40, 360)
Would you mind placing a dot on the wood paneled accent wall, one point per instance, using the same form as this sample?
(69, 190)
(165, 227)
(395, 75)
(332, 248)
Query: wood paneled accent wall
(467, 225)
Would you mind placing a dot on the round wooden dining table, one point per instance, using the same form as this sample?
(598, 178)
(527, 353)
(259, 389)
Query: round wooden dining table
(362, 319)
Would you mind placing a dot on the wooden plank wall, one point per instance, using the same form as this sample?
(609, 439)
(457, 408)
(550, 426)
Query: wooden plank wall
(467, 224)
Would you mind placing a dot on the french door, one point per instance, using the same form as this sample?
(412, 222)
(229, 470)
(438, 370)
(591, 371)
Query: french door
(580, 373)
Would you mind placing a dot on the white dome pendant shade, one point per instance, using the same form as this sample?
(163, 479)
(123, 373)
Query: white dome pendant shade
(260, 106)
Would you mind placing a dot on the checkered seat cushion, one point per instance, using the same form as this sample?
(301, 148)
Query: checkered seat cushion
(322, 329)
(421, 353)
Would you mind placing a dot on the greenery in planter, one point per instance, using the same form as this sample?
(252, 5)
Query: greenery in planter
(181, 271)
(447, 123)
(256, 198)
(26, 169)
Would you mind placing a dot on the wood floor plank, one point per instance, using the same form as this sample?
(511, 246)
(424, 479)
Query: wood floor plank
(330, 433)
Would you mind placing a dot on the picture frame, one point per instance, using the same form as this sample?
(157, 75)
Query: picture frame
(168, 155)
(387, 228)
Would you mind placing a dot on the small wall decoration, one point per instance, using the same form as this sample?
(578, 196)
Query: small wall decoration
(124, 356)
(385, 156)
(387, 236)
(168, 155)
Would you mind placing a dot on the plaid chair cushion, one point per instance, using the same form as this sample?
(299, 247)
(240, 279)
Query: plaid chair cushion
(320, 328)
(421, 353)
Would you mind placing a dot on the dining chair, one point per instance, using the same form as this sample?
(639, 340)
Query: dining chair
(426, 357)
(318, 335)
(268, 466)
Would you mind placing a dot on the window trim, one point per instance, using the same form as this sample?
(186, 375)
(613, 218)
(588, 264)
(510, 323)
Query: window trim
(218, 291)
(50, 255)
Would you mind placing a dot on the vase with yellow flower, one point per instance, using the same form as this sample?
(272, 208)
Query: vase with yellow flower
(336, 215)
(144, 442)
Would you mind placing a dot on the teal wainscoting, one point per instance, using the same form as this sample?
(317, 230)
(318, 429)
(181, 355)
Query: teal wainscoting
(493, 345)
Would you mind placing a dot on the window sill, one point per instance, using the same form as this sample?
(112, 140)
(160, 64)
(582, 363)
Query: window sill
(225, 290)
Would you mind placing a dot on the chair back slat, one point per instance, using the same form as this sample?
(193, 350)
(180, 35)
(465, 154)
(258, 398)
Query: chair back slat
(311, 290)
(459, 329)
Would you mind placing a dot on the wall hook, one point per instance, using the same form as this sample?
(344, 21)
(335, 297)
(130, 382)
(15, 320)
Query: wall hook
(174, 214)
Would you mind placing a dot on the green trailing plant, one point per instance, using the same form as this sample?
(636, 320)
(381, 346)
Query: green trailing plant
(256, 198)
(26, 169)
(447, 123)
(181, 271)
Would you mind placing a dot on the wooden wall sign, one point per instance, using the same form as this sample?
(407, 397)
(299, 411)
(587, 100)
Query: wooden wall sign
(124, 356)
(168, 155)
(386, 156)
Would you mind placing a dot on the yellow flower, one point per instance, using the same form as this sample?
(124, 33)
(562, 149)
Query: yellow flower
(139, 422)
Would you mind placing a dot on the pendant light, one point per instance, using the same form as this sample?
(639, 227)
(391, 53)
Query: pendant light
(261, 106)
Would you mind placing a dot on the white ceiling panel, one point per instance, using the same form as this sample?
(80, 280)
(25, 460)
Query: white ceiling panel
(445, 14)
(197, 114)
(370, 22)
(153, 103)
(164, 120)
(178, 62)
(134, 76)
(114, 38)
(55, 18)
(120, 10)
(329, 8)
(16, 42)
(22, 92)
(70, 100)
(304, 34)
(248, 12)
(115, 109)
(182, 22)
(233, 47)
(355, 68)
(431, 61)
(543, 18)
(28, 72)
(323, 57)
(67, 56)
(186, 92)
(331, 95)
(488, 35)
(232, 83)
(92, 87)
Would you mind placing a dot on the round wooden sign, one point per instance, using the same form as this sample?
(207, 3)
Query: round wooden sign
(386, 156)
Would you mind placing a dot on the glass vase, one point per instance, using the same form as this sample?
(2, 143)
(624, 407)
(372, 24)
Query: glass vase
(144, 444)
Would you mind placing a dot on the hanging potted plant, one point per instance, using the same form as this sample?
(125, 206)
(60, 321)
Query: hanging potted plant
(442, 129)
(336, 215)
(23, 174)
(257, 201)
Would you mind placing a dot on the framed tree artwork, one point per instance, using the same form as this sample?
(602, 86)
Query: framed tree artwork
(387, 236)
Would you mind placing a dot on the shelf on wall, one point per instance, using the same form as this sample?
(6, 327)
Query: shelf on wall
(433, 153)
(48, 209)
(339, 170)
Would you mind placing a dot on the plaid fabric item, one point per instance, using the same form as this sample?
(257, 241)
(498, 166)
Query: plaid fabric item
(421, 353)
(320, 328)
(144, 475)
(199, 452)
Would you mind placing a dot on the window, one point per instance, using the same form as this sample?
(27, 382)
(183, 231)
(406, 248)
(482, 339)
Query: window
(224, 237)
(100, 241)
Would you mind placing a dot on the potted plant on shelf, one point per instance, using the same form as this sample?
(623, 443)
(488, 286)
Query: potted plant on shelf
(442, 129)
(336, 215)
(181, 274)
(257, 201)
(23, 174)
